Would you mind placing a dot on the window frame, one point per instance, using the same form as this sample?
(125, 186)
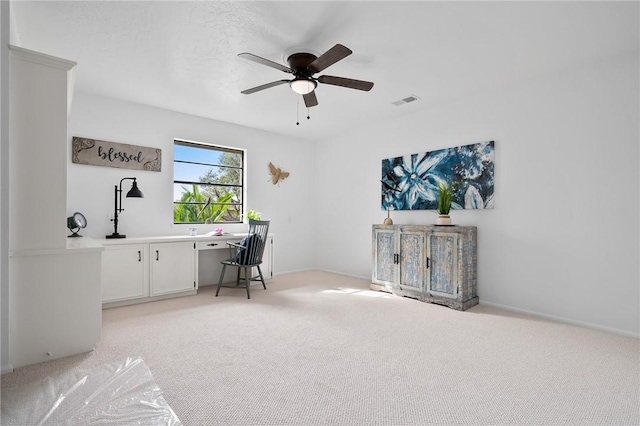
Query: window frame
(211, 147)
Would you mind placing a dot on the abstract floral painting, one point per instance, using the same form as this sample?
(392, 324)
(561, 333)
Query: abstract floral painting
(411, 182)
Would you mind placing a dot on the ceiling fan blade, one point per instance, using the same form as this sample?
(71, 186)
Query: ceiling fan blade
(310, 99)
(346, 82)
(264, 86)
(263, 61)
(329, 58)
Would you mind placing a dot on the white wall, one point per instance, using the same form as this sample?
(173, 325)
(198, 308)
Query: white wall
(4, 177)
(562, 240)
(91, 188)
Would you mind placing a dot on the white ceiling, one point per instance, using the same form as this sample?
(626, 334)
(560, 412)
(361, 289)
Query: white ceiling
(182, 56)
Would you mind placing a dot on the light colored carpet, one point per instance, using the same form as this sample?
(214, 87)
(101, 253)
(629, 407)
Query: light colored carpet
(320, 348)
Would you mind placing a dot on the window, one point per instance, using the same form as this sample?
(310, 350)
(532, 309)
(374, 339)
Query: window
(207, 183)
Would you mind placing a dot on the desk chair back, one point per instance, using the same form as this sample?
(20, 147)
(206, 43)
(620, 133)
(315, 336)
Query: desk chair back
(248, 255)
(252, 246)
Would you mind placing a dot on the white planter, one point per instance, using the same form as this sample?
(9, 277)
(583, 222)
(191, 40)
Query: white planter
(443, 219)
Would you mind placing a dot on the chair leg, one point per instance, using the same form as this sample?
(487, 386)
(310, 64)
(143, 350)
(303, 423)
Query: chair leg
(247, 282)
(238, 277)
(261, 277)
(221, 278)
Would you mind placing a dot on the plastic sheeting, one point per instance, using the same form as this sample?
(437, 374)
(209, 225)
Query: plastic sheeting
(121, 394)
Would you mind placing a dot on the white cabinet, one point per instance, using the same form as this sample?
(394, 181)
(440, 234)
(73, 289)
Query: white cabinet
(38, 149)
(54, 281)
(55, 303)
(172, 267)
(133, 272)
(125, 272)
(136, 270)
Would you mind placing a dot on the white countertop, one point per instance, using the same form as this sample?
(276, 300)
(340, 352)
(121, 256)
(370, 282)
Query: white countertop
(73, 246)
(171, 238)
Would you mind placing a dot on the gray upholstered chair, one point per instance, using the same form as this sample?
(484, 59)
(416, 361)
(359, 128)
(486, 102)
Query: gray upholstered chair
(247, 255)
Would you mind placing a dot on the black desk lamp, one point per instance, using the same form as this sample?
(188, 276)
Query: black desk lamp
(134, 192)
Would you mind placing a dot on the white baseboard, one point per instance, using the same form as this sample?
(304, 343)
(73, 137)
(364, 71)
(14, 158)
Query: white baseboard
(508, 308)
(293, 271)
(563, 319)
(368, 278)
(8, 368)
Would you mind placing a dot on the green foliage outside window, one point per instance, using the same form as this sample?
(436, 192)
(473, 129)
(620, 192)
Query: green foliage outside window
(207, 184)
(197, 207)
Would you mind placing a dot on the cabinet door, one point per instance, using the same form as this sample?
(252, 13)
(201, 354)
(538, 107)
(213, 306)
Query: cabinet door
(412, 259)
(442, 278)
(172, 267)
(384, 256)
(125, 272)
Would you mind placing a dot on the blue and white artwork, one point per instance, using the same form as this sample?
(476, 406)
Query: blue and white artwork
(411, 182)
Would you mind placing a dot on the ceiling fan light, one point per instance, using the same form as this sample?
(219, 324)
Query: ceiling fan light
(303, 86)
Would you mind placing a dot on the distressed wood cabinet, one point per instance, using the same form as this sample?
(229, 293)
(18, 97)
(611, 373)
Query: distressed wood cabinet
(435, 264)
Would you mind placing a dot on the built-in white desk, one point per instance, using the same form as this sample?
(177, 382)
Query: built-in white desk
(137, 270)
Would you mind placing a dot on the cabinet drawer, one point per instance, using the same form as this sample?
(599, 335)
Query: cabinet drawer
(215, 245)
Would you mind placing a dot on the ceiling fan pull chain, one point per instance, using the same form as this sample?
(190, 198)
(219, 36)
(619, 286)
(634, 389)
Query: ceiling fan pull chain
(308, 114)
(297, 111)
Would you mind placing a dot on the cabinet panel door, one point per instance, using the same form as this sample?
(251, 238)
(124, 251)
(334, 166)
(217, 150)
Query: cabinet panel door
(172, 267)
(412, 258)
(443, 264)
(125, 272)
(384, 268)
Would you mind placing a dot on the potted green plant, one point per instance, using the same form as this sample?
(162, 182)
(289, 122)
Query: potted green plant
(445, 196)
(252, 214)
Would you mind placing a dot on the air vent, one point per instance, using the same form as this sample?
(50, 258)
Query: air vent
(406, 100)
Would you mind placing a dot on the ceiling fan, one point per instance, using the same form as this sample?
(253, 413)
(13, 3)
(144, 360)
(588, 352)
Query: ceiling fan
(303, 66)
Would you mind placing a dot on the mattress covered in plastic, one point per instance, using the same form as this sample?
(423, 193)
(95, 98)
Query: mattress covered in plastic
(118, 394)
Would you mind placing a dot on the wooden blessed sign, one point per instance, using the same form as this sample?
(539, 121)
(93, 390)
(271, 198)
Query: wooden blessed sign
(111, 154)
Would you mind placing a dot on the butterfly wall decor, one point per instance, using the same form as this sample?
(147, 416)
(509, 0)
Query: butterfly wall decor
(277, 173)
